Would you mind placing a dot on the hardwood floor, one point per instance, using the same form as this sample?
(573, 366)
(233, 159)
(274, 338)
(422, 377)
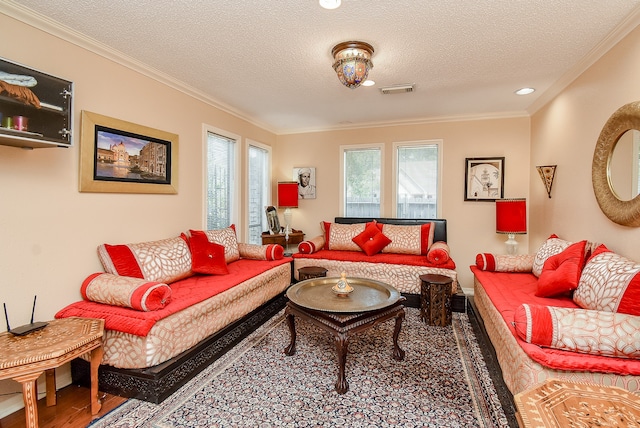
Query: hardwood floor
(73, 410)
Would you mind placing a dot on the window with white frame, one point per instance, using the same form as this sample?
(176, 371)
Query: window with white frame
(417, 178)
(362, 173)
(258, 190)
(220, 180)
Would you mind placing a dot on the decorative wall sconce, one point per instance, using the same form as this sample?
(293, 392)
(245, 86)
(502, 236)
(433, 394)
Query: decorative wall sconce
(547, 174)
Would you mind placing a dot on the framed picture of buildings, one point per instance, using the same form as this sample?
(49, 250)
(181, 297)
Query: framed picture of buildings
(484, 179)
(123, 157)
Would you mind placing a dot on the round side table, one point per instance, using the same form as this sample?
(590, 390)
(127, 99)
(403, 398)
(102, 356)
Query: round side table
(435, 299)
(309, 272)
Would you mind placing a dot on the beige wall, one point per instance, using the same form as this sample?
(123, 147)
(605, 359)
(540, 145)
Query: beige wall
(48, 230)
(471, 225)
(565, 132)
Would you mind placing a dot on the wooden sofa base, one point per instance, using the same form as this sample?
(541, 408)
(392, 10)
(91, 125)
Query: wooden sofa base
(155, 384)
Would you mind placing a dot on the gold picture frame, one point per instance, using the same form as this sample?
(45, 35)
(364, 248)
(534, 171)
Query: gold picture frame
(140, 160)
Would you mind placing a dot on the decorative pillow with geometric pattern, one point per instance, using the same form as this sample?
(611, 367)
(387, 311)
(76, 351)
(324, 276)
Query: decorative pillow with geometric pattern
(134, 293)
(312, 245)
(261, 252)
(228, 238)
(579, 330)
(408, 239)
(340, 236)
(505, 262)
(553, 245)
(166, 260)
(609, 282)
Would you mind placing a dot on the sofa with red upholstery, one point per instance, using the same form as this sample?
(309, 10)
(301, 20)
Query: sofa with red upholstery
(569, 311)
(164, 302)
(394, 251)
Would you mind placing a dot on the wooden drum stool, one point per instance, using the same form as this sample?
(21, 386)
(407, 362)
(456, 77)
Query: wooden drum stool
(309, 272)
(435, 299)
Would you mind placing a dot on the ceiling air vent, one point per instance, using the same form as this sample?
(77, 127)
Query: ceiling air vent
(396, 89)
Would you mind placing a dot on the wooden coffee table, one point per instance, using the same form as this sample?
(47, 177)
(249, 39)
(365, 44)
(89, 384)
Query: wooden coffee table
(566, 404)
(371, 303)
(25, 358)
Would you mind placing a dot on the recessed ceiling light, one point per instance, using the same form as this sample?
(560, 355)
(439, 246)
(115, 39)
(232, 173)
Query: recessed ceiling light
(330, 4)
(368, 83)
(525, 91)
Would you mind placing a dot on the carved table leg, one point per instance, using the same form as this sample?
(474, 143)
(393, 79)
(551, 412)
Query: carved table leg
(342, 345)
(96, 358)
(291, 349)
(51, 387)
(30, 397)
(398, 353)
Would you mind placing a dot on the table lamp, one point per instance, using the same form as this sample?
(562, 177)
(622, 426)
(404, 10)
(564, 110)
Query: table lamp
(511, 218)
(287, 199)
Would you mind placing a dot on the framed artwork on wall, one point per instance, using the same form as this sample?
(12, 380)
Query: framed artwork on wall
(306, 178)
(123, 157)
(484, 179)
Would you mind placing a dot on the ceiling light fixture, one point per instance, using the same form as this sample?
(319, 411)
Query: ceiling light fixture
(368, 82)
(330, 4)
(352, 62)
(525, 91)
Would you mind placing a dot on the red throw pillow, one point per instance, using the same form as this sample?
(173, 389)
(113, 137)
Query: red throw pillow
(371, 240)
(561, 272)
(206, 257)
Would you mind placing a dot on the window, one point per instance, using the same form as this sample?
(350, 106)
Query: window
(221, 205)
(362, 171)
(258, 190)
(417, 179)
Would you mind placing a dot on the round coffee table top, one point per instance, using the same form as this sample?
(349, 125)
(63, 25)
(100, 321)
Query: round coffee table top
(367, 295)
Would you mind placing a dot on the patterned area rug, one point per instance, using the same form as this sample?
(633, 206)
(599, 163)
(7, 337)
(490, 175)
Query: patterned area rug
(442, 382)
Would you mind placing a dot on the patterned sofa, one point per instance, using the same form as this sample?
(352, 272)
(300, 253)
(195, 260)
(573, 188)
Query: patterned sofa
(570, 311)
(358, 247)
(167, 303)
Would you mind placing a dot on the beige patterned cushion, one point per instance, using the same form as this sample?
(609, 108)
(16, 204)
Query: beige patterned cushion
(135, 293)
(505, 262)
(550, 247)
(609, 282)
(340, 236)
(228, 238)
(167, 260)
(408, 239)
(579, 330)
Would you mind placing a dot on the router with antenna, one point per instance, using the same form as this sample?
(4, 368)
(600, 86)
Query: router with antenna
(27, 328)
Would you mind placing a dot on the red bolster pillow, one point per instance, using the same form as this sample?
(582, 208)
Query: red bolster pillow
(128, 292)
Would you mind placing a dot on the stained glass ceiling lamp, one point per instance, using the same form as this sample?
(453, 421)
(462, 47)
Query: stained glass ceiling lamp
(352, 62)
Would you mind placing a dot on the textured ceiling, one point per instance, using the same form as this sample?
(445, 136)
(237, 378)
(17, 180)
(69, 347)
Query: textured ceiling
(270, 61)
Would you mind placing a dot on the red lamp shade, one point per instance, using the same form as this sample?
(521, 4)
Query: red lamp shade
(288, 194)
(511, 216)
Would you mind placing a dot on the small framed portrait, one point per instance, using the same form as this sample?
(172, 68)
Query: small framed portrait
(306, 178)
(484, 179)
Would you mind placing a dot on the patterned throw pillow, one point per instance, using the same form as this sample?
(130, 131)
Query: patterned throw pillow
(505, 262)
(261, 252)
(312, 245)
(371, 240)
(609, 282)
(579, 330)
(408, 239)
(553, 245)
(226, 237)
(340, 236)
(167, 260)
(438, 253)
(561, 272)
(134, 293)
(207, 257)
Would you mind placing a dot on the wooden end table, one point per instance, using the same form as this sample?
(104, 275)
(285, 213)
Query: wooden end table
(25, 358)
(435, 299)
(563, 403)
(294, 238)
(309, 272)
(371, 303)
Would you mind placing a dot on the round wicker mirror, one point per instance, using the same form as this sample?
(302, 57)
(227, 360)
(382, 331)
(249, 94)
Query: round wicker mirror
(624, 212)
